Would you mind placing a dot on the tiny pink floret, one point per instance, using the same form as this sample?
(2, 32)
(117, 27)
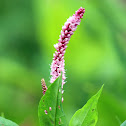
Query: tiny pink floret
(62, 99)
(50, 108)
(58, 62)
(46, 112)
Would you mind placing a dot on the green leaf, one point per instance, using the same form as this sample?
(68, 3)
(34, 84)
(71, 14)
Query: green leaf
(124, 123)
(6, 122)
(52, 98)
(87, 115)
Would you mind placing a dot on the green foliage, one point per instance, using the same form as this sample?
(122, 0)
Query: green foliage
(6, 122)
(52, 98)
(124, 123)
(88, 115)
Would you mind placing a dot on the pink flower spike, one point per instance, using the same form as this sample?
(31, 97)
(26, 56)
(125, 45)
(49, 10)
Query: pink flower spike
(44, 87)
(58, 62)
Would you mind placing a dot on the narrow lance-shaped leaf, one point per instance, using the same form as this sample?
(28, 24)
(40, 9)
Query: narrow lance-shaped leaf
(50, 110)
(87, 115)
(6, 122)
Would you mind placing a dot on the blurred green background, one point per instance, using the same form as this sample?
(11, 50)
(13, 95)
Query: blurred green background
(96, 54)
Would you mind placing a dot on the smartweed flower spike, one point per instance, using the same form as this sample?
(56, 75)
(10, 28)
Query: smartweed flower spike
(58, 62)
(44, 87)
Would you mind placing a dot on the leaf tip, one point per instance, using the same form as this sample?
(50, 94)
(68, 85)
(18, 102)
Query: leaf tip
(99, 92)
